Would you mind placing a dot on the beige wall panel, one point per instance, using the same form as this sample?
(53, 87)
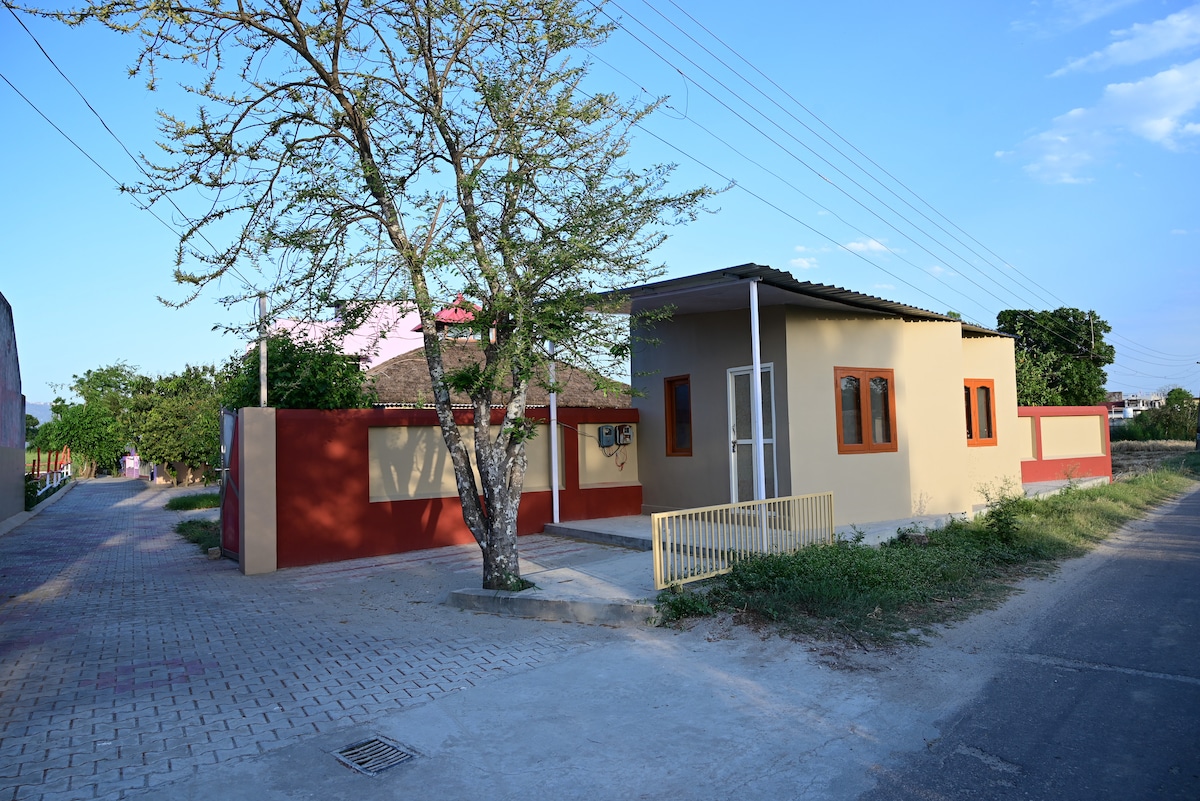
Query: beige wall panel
(704, 347)
(1066, 437)
(867, 486)
(996, 467)
(939, 459)
(258, 530)
(926, 473)
(411, 462)
(598, 470)
(1027, 434)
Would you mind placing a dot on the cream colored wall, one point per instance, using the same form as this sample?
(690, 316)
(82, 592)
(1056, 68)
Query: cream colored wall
(1027, 438)
(411, 462)
(703, 346)
(1067, 437)
(598, 470)
(922, 475)
(258, 523)
(995, 467)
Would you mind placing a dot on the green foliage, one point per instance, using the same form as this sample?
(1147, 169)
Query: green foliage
(186, 503)
(95, 435)
(1061, 355)
(676, 603)
(177, 419)
(32, 485)
(300, 375)
(1176, 419)
(204, 533)
(853, 589)
(31, 428)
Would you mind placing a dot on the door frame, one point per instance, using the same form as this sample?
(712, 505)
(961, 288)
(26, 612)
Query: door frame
(768, 400)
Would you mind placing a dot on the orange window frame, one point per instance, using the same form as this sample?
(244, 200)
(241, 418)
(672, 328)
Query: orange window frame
(675, 448)
(971, 386)
(864, 376)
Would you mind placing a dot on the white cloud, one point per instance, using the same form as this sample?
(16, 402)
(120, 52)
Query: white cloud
(938, 271)
(1065, 15)
(1153, 108)
(885, 287)
(1179, 232)
(806, 262)
(867, 246)
(1142, 42)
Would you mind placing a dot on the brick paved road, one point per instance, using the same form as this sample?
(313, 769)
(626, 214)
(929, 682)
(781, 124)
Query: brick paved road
(129, 660)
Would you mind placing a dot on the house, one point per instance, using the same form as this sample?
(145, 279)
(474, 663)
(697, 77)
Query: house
(386, 331)
(896, 410)
(403, 382)
(1122, 408)
(12, 419)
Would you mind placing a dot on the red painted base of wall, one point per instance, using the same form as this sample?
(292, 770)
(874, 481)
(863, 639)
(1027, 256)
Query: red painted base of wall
(1065, 469)
(324, 508)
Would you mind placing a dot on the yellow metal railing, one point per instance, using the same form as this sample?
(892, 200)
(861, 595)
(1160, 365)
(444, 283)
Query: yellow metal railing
(695, 544)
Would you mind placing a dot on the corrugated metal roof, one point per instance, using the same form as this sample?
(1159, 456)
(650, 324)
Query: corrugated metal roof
(711, 291)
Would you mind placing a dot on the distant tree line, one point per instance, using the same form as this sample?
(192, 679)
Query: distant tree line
(175, 419)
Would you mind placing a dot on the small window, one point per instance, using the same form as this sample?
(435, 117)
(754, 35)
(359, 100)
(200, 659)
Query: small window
(979, 399)
(678, 391)
(866, 419)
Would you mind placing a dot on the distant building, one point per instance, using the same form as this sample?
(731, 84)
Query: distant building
(1122, 408)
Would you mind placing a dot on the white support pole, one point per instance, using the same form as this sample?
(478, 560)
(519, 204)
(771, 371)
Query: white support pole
(756, 421)
(553, 441)
(756, 399)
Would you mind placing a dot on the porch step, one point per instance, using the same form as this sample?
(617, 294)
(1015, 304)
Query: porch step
(631, 531)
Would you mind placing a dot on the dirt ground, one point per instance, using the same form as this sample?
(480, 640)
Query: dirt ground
(1131, 458)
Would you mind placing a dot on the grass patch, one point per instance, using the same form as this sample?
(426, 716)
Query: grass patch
(204, 533)
(903, 587)
(199, 500)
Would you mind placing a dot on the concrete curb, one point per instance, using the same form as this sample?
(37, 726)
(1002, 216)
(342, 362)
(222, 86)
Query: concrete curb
(569, 610)
(20, 518)
(601, 537)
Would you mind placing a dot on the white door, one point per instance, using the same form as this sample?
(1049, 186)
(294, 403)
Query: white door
(741, 431)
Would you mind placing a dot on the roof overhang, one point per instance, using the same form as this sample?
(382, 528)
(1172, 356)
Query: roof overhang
(725, 290)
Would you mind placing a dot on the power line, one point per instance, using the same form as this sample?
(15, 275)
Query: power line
(117, 139)
(786, 150)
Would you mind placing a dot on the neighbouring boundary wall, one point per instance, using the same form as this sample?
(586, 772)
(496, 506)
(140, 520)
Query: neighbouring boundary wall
(310, 486)
(1064, 442)
(12, 419)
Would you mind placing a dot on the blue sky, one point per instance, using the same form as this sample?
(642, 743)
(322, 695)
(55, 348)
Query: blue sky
(992, 155)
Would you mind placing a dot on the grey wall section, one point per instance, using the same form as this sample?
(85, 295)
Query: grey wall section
(703, 347)
(12, 419)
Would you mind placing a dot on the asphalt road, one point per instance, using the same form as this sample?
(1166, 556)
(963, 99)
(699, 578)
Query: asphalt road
(1103, 700)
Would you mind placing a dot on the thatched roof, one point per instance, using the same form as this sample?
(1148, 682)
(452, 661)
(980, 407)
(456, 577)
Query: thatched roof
(404, 381)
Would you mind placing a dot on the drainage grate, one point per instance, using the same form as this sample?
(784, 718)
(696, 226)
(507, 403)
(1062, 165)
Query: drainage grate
(372, 756)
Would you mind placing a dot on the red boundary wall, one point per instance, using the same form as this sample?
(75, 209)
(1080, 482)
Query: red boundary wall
(323, 498)
(1039, 469)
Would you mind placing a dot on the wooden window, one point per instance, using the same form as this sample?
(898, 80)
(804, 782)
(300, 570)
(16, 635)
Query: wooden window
(979, 399)
(678, 392)
(866, 404)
